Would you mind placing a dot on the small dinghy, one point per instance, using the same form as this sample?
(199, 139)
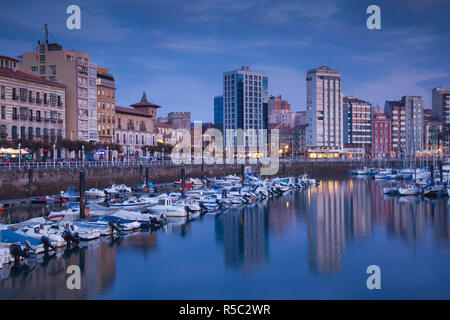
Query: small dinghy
(38, 231)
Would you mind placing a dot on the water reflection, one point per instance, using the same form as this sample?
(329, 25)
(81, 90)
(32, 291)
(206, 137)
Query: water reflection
(317, 229)
(243, 232)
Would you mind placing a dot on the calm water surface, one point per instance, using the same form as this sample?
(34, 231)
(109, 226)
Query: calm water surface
(312, 244)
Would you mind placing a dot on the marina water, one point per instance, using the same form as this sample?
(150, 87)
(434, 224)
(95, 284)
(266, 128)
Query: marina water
(306, 244)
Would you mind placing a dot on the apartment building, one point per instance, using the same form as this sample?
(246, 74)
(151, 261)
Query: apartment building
(106, 105)
(381, 135)
(324, 108)
(357, 121)
(31, 107)
(69, 67)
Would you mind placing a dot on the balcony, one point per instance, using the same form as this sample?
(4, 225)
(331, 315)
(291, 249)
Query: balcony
(53, 120)
(15, 117)
(38, 101)
(59, 104)
(46, 119)
(3, 134)
(38, 119)
(60, 121)
(31, 100)
(15, 97)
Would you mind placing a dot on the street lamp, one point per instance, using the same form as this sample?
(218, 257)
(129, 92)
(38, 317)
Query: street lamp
(146, 153)
(163, 155)
(20, 153)
(82, 153)
(107, 154)
(54, 155)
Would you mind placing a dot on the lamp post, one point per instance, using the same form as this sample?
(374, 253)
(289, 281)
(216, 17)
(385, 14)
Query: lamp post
(20, 153)
(107, 154)
(163, 155)
(54, 155)
(82, 153)
(146, 153)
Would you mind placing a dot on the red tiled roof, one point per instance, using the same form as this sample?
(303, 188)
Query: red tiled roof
(164, 125)
(28, 77)
(9, 58)
(132, 111)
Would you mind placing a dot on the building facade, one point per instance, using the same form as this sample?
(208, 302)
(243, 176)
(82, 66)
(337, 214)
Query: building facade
(299, 141)
(277, 103)
(381, 136)
(357, 121)
(70, 68)
(324, 108)
(218, 112)
(106, 105)
(180, 120)
(136, 127)
(245, 95)
(414, 123)
(92, 102)
(31, 107)
(441, 104)
(397, 113)
(432, 126)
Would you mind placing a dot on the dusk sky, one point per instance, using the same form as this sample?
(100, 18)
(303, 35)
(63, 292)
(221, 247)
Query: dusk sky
(177, 50)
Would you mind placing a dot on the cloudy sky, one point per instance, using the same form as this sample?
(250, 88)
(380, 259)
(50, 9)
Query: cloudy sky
(177, 50)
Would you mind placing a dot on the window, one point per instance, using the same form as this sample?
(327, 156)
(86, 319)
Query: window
(52, 99)
(53, 78)
(59, 101)
(34, 69)
(38, 132)
(45, 98)
(42, 69)
(3, 92)
(30, 115)
(14, 132)
(30, 133)
(14, 113)
(3, 113)
(42, 58)
(38, 115)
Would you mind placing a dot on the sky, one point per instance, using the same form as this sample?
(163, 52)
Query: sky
(177, 50)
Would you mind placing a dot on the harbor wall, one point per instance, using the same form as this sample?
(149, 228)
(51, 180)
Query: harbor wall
(14, 183)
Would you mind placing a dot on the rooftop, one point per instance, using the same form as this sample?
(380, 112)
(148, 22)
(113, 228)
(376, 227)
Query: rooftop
(28, 77)
(132, 111)
(145, 103)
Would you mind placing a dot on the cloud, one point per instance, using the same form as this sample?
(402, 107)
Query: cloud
(394, 86)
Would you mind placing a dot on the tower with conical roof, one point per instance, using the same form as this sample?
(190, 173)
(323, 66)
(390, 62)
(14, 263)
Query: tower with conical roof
(145, 106)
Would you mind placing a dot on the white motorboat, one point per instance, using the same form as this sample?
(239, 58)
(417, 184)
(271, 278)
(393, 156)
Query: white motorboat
(209, 203)
(166, 207)
(64, 215)
(36, 232)
(134, 203)
(94, 192)
(119, 188)
(188, 203)
(84, 233)
(409, 190)
(434, 190)
(390, 190)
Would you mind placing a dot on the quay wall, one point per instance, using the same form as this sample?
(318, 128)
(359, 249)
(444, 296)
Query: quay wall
(14, 183)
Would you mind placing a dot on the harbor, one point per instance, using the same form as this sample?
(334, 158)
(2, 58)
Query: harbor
(288, 238)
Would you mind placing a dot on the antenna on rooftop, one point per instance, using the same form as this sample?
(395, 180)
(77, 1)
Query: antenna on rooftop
(46, 33)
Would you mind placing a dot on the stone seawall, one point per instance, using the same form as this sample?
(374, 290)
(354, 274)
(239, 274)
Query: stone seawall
(14, 183)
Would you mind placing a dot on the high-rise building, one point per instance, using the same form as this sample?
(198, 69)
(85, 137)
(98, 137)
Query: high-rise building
(381, 135)
(407, 125)
(106, 105)
(440, 100)
(300, 118)
(31, 107)
(357, 121)
(414, 124)
(218, 112)
(71, 68)
(245, 95)
(324, 108)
